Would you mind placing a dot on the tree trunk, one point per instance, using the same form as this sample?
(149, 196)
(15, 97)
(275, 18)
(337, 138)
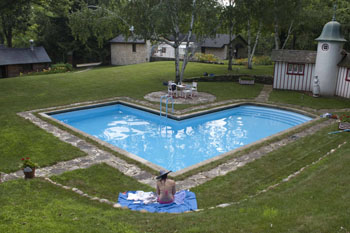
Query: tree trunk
(230, 49)
(230, 42)
(7, 32)
(249, 45)
(289, 32)
(277, 39)
(189, 36)
(9, 38)
(250, 59)
(177, 64)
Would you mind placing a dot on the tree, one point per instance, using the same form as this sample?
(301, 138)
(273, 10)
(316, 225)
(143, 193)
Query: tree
(169, 21)
(228, 19)
(253, 13)
(14, 16)
(174, 22)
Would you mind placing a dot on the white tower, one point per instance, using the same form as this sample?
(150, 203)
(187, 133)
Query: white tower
(330, 45)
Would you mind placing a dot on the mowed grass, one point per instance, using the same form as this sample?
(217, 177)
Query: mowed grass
(314, 201)
(20, 138)
(302, 99)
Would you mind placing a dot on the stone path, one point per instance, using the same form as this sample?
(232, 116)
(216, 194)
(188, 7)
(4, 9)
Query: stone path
(264, 94)
(96, 155)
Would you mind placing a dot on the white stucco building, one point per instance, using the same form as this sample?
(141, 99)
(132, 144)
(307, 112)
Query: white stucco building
(297, 69)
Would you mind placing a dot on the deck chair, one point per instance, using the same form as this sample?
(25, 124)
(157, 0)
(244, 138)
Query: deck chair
(194, 88)
(187, 91)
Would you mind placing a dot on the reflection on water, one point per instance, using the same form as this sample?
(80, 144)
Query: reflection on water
(175, 145)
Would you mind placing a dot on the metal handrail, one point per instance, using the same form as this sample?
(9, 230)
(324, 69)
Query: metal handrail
(166, 104)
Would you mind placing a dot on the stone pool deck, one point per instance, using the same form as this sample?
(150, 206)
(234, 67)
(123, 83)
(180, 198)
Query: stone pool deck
(96, 155)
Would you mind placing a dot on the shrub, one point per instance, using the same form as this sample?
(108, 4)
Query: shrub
(345, 118)
(54, 69)
(258, 60)
(61, 67)
(262, 60)
(203, 57)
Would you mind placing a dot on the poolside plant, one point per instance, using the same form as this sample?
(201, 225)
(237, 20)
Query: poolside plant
(345, 118)
(27, 162)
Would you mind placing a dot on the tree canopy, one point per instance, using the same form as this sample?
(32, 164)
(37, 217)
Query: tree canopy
(84, 27)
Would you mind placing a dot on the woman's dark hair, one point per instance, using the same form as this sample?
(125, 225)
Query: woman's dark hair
(164, 177)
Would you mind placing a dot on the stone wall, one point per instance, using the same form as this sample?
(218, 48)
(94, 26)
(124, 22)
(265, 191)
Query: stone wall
(122, 53)
(232, 77)
(16, 70)
(221, 53)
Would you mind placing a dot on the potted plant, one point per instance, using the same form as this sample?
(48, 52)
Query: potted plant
(28, 168)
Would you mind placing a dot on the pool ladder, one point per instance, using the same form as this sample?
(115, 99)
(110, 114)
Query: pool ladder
(167, 97)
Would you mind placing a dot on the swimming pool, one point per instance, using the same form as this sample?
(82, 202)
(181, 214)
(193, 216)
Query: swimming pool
(178, 144)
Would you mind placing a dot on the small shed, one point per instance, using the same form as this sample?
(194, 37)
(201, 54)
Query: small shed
(343, 82)
(129, 51)
(218, 46)
(294, 69)
(14, 61)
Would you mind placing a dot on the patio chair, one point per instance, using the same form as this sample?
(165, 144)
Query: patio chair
(187, 91)
(194, 88)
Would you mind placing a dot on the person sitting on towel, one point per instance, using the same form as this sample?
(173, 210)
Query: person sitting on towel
(165, 188)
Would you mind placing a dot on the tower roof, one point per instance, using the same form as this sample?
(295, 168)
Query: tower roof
(331, 32)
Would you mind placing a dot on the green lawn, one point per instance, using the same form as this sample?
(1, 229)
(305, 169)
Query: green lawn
(19, 138)
(302, 99)
(314, 201)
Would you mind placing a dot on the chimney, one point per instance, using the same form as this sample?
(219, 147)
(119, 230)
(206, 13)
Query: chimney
(31, 41)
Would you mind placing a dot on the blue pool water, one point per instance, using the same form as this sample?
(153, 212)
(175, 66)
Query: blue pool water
(173, 144)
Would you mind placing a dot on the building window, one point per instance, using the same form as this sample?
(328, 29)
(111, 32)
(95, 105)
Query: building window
(163, 50)
(134, 48)
(325, 47)
(296, 69)
(347, 78)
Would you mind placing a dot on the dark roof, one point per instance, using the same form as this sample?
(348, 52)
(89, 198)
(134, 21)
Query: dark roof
(121, 39)
(182, 37)
(345, 62)
(12, 56)
(296, 56)
(219, 41)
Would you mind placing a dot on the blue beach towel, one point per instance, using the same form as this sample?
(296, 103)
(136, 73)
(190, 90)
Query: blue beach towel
(184, 201)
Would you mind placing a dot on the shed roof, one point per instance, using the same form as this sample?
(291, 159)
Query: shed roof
(296, 56)
(122, 40)
(13, 56)
(345, 61)
(219, 41)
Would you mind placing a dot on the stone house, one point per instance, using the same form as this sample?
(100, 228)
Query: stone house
(218, 46)
(129, 51)
(14, 61)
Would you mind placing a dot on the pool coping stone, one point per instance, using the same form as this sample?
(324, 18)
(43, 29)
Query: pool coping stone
(175, 117)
